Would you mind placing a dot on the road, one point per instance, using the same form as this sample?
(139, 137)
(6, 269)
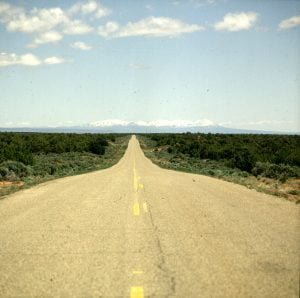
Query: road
(136, 230)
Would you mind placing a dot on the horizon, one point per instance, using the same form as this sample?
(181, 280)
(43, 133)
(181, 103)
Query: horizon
(178, 63)
(141, 127)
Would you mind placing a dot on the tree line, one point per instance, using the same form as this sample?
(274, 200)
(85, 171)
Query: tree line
(252, 153)
(21, 147)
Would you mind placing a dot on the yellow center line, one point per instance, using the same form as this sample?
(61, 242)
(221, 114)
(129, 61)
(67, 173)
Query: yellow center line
(136, 208)
(137, 292)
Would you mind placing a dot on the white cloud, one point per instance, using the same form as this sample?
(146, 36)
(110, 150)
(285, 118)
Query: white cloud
(108, 29)
(76, 27)
(155, 123)
(8, 12)
(46, 37)
(237, 21)
(81, 46)
(16, 19)
(195, 3)
(200, 3)
(90, 7)
(38, 20)
(151, 26)
(289, 23)
(54, 60)
(8, 59)
(109, 122)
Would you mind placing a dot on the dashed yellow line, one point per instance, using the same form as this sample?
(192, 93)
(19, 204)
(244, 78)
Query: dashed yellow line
(137, 292)
(137, 272)
(136, 208)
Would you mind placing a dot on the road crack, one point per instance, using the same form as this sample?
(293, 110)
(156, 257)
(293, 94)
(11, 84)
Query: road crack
(162, 265)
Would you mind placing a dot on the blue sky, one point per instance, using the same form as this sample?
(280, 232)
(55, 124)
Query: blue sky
(233, 63)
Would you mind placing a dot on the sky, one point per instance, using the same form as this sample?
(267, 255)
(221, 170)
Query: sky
(184, 62)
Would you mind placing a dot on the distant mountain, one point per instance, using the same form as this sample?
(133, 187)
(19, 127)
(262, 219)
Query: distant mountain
(133, 127)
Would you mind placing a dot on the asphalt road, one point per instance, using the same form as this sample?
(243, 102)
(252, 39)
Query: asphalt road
(136, 230)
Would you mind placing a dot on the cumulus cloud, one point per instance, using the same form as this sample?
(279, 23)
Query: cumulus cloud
(195, 3)
(8, 12)
(54, 60)
(289, 23)
(8, 59)
(37, 20)
(237, 21)
(76, 27)
(109, 29)
(81, 46)
(48, 24)
(90, 7)
(151, 26)
(46, 37)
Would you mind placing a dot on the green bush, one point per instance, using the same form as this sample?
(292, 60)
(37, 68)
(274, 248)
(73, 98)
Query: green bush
(12, 170)
(3, 172)
(237, 151)
(97, 148)
(23, 147)
(269, 170)
(243, 160)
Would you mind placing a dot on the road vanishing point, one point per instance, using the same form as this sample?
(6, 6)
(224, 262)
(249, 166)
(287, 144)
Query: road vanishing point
(136, 230)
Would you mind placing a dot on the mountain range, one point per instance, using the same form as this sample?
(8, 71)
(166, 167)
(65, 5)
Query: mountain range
(140, 127)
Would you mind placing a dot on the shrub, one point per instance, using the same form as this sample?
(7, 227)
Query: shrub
(270, 170)
(3, 172)
(243, 160)
(18, 168)
(11, 176)
(97, 148)
(170, 150)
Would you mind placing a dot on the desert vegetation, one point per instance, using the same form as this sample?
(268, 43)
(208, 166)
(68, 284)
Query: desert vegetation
(269, 163)
(30, 158)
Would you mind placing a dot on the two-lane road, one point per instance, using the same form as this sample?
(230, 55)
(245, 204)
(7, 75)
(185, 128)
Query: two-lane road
(136, 230)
